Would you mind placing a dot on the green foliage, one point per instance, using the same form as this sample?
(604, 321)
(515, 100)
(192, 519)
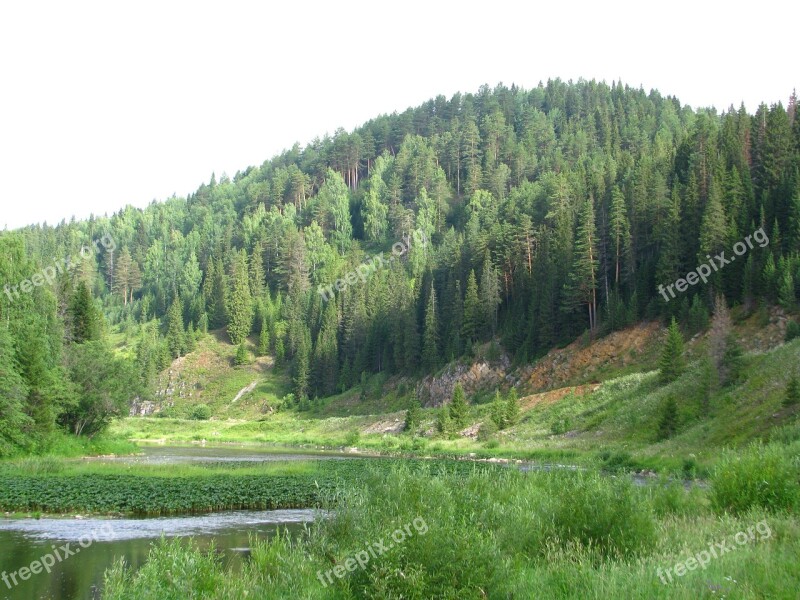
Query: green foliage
(498, 411)
(200, 412)
(763, 476)
(242, 355)
(175, 335)
(668, 421)
(239, 302)
(444, 424)
(459, 409)
(412, 418)
(792, 395)
(672, 363)
(512, 411)
(792, 330)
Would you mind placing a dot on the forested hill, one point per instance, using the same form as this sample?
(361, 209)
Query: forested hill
(530, 216)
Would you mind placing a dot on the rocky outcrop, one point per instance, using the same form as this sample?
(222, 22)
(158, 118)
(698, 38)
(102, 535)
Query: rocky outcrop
(479, 375)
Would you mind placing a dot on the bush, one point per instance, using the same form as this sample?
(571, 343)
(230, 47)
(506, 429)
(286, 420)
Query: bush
(487, 430)
(792, 330)
(604, 515)
(760, 476)
(200, 412)
(242, 355)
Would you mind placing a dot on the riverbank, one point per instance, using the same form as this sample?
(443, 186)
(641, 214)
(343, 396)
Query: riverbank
(499, 534)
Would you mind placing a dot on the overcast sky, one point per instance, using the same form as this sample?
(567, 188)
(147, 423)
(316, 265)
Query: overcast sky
(104, 104)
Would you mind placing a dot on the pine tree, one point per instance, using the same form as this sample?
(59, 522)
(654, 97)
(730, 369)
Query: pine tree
(412, 418)
(498, 411)
(668, 423)
(242, 355)
(85, 318)
(263, 338)
(459, 409)
(792, 396)
(430, 335)
(175, 335)
(490, 294)
(672, 362)
(473, 322)
(239, 302)
(444, 424)
(512, 408)
(326, 352)
(581, 287)
(301, 365)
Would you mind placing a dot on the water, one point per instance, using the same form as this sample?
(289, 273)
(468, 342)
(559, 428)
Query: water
(94, 545)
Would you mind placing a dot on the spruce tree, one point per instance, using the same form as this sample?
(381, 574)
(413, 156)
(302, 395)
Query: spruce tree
(263, 339)
(672, 363)
(792, 396)
(430, 335)
(444, 424)
(512, 408)
(668, 422)
(459, 409)
(85, 318)
(498, 411)
(412, 418)
(490, 295)
(239, 303)
(242, 355)
(175, 334)
(473, 323)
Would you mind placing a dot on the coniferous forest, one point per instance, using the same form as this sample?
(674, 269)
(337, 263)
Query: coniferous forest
(529, 217)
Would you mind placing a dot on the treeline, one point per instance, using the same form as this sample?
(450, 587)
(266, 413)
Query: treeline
(545, 213)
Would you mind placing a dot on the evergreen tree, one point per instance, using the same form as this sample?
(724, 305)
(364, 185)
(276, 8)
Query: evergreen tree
(490, 294)
(473, 313)
(85, 318)
(498, 411)
(792, 396)
(459, 409)
(263, 339)
(239, 302)
(668, 422)
(301, 365)
(581, 287)
(671, 365)
(242, 355)
(512, 408)
(430, 335)
(444, 424)
(175, 335)
(412, 418)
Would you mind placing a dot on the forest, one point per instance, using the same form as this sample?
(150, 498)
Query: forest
(530, 218)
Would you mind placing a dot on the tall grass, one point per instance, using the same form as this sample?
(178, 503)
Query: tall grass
(761, 476)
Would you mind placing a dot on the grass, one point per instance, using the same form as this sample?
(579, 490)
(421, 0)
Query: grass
(499, 534)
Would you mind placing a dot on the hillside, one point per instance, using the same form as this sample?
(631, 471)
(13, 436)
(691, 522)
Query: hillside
(468, 238)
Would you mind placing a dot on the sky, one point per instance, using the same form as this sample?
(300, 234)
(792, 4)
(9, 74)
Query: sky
(104, 104)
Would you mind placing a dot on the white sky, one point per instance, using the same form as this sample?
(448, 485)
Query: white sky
(103, 105)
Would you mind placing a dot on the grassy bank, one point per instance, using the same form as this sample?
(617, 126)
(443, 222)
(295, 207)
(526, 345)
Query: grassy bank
(55, 486)
(506, 534)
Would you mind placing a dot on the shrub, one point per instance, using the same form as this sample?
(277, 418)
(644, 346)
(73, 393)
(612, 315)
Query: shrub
(668, 423)
(200, 412)
(792, 395)
(487, 430)
(760, 476)
(242, 355)
(605, 515)
(792, 330)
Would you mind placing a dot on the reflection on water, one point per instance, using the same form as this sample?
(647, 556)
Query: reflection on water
(94, 544)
